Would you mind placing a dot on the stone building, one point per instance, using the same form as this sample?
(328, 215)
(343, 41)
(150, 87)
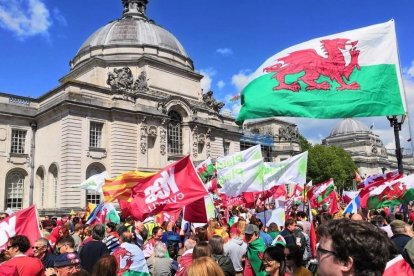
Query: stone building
(279, 139)
(131, 101)
(366, 148)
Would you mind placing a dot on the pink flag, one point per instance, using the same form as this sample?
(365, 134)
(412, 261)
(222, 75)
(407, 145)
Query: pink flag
(23, 222)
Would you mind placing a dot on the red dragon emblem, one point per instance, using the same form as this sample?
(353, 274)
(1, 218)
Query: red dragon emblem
(313, 65)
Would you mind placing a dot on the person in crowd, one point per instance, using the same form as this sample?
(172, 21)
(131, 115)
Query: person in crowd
(187, 257)
(92, 251)
(112, 238)
(3, 215)
(141, 233)
(77, 233)
(356, 217)
(54, 236)
(348, 247)
(157, 234)
(255, 247)
(273, 230)
(64, 231)
(262, 234)
(204, 266)
(301, 216)
(294, 261)
(41, 250)
(303, 241)
(106, 266)
(216, 242)
(202, 249)
(400, 231)
(288, 232)
(17, 246)
(172, 239)
(129, 257)
(68, 261)
(201, 233)
(236, 248)
(160, 264)
(129, 224)
(87, 235)
(274, 261)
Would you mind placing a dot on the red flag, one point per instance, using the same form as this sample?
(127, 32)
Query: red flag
(172, 188)
(312, 233)
(171, 215)
(196, 211)
(333, 206)
(23, 222)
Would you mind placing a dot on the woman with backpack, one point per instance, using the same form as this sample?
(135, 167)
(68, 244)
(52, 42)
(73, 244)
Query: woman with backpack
(216, 243)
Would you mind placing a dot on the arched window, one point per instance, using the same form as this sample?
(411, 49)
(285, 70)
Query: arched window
(15, 190)
(93, 169)
(53, 179)
(175, 146)
(41, 181)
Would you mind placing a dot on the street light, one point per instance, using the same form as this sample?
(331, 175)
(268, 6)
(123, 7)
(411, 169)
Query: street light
(396, 121)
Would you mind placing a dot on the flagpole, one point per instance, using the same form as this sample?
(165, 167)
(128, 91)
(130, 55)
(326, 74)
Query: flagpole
(407, 113)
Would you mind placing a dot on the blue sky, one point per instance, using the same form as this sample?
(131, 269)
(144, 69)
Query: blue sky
(227, 40)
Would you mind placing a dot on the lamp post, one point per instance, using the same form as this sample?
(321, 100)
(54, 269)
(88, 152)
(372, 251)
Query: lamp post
(396, 122)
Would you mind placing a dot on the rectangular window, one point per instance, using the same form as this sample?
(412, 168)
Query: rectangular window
(93, 197)
(226, 147)
(95, 135)
(18, 141)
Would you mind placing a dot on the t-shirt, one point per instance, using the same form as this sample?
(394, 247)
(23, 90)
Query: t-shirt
(26, 266)
(91, 252)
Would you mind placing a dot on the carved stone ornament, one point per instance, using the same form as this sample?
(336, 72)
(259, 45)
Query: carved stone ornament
(162, 107)
(202, 139)
(152, 131)
(122, 83)
(163, 141)
(143, 139)
(374, 149)
(288, 133)
(195, 142)
(208, 145)
(212, 103)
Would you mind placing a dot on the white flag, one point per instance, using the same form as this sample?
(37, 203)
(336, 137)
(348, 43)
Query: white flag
(94, 183)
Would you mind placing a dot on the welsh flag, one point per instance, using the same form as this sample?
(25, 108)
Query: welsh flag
(351, 74)
(320, 192)
(392, 193)
(205, 169)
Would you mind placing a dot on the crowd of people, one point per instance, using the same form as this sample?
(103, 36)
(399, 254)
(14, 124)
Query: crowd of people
(240, 245)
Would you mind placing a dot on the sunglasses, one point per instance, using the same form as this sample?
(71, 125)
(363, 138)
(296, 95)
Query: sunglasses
(267, 260)
(2, 217)
(37, 247)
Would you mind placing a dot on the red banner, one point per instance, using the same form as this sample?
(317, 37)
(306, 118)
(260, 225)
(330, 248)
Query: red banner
(23, 222)
(172, 188)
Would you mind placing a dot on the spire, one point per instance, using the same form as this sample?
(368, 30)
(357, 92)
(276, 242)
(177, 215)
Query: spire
(134, 8)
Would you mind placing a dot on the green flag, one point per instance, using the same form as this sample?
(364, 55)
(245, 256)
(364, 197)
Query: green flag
(350, 74)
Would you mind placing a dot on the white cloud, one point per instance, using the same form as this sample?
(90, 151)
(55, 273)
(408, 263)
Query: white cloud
(221, 84)
(58, 16)
(25, 18)
(240, 79)
(224, 51)
(208, 78)
(410, 71)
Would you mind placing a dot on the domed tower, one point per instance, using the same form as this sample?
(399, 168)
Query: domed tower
(132, 37)
(130, 102)
(365, 147)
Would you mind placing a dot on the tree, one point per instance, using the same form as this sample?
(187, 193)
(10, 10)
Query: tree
(304, 144)
(326, 162)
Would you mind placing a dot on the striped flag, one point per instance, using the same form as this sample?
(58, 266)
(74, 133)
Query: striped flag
(121, 186)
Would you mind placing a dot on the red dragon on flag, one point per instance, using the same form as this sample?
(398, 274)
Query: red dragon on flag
(313, 65)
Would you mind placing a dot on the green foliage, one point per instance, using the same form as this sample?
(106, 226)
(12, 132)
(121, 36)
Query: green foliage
(331, 162)
(304, 144)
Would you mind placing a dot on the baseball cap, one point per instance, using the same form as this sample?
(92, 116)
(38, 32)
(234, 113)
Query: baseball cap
(251, 228)
(67, 259)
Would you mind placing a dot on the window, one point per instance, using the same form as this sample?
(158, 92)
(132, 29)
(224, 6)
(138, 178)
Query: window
(174, 133)
(14, 191)
(93, 197)
(18, 141)
(95, 135)
(226, 147)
